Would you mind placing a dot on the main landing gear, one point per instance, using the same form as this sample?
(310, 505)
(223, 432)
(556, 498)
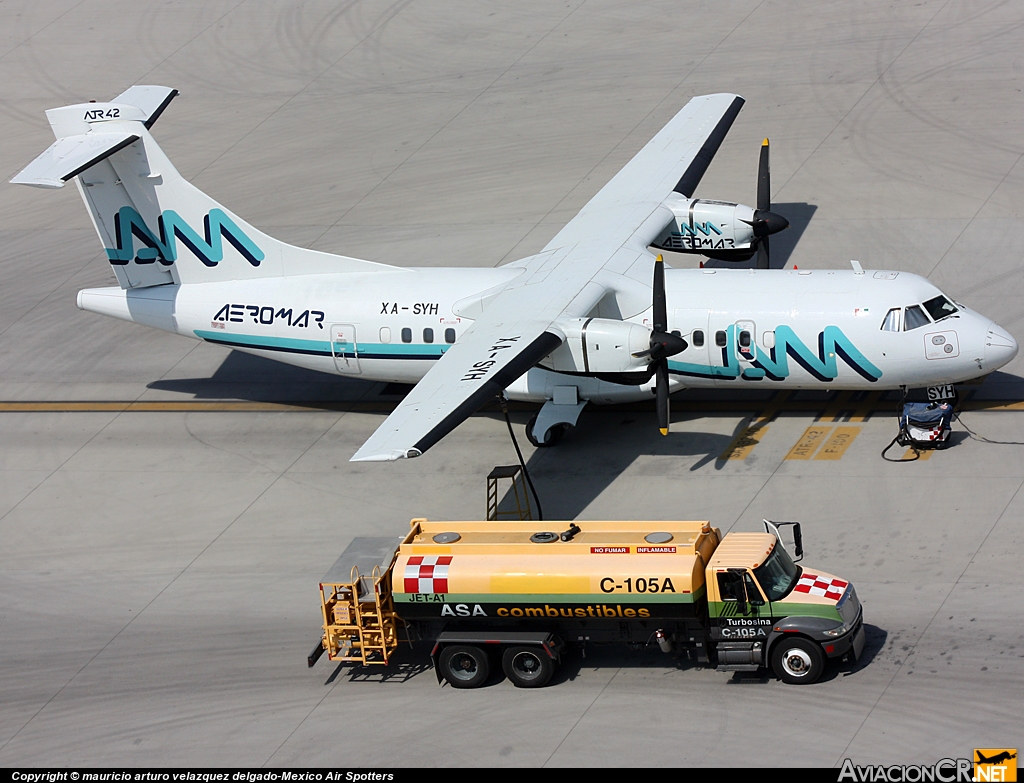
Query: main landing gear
(557, 417)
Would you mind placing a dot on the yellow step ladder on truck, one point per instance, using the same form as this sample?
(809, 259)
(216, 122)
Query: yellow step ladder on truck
(359, 620)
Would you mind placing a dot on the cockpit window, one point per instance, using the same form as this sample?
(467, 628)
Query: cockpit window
(892, 320)
(939, 307)
(914, 318)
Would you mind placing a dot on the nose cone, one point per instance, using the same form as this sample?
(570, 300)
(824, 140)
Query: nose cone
(766, 223)
(1000, 347)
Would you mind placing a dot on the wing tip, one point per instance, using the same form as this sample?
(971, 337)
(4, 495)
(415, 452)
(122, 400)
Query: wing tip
(390, 456)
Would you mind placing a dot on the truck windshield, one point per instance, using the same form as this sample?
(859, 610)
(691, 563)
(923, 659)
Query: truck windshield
(778, 574)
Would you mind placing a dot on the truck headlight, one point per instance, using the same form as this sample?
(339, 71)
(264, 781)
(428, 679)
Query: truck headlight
(842, 629)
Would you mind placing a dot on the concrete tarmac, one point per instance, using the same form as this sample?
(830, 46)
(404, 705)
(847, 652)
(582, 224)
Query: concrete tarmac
(159, 568)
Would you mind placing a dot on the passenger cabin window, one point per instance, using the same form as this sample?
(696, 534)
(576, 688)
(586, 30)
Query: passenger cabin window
(939, 307)
(385, 334)
(914, 317)
(744, 340)
(449, 336)
(428, 335)
(407, 335)
(698, 338)
(891, 322)
(720, 339)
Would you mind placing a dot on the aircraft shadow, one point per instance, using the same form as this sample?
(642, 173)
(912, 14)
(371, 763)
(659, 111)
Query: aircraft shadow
(799, 214)
(602, 447)
(243, 376)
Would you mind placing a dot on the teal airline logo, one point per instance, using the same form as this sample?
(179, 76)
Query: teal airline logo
(686, 230)
(694, 236)
(773, 364)
(217, 226)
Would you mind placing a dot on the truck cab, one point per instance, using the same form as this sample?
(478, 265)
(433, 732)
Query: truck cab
(764, 609)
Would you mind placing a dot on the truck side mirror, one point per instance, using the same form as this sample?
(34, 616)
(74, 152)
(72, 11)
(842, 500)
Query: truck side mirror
(798, 539)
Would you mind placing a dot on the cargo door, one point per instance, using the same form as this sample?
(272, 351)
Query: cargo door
(692, 325)
(745, 349)
(345, 349)
(743, 344)
(725, 369)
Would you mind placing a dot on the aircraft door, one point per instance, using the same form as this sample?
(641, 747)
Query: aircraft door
(345, 349)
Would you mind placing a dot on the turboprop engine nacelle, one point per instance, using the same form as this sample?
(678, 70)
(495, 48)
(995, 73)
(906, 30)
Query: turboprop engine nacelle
(711, 228)
(602, 346)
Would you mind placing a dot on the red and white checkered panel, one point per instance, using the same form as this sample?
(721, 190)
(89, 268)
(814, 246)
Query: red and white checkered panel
(821, 585)
(427, 574)
(935, 434)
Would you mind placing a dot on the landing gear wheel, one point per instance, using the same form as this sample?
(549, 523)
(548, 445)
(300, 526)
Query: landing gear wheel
(527, 667)
(798, 661)
(551, 437)
(464, 666)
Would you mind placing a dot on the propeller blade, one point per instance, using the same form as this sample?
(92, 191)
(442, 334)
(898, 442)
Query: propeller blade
(765, 222)
(661, 389)
(660, 308)
(764, 180)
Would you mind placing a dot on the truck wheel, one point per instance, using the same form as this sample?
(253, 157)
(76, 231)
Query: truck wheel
(464, 666)
(798, 661)
(527, 667)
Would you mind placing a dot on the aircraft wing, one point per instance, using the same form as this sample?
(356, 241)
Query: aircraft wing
(514, 333)
(673, 161)
(519, 326)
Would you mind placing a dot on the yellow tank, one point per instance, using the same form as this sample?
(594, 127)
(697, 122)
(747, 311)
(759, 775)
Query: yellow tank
(518, 570)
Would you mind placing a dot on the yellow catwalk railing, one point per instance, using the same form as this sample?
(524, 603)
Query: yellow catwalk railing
(359, 619)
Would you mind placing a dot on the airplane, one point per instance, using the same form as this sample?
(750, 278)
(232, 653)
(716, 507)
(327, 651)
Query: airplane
(593, 317)
(996, 759)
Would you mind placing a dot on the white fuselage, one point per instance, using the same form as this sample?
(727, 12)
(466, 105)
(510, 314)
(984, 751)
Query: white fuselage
(777, 329)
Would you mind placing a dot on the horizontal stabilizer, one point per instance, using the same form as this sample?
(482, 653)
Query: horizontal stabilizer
(72, 155)
(151, 98)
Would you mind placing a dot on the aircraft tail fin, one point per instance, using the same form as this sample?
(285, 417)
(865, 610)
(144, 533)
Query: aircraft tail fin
(155, 226)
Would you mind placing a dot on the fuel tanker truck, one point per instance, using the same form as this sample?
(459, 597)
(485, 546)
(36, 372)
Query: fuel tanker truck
(515, 594)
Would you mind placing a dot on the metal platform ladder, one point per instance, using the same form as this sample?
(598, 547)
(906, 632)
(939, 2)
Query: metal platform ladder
(518, 490)
(359, 619)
